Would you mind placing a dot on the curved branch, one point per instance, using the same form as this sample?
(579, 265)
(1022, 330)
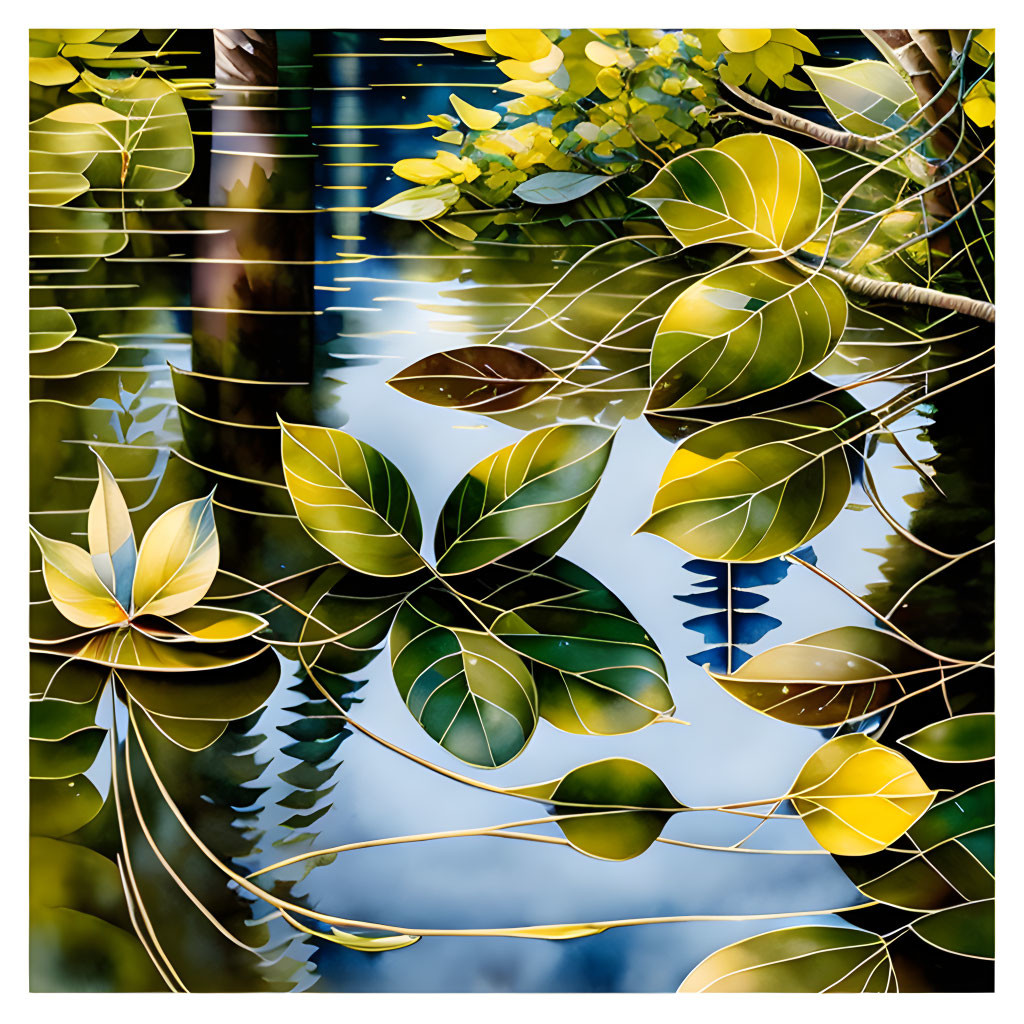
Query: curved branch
(784, 119)
(896, 291)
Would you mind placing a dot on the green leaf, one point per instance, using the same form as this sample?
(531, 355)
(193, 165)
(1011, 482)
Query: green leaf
(830, 678)
(558, 187)
(152, 129)
(742, 331)
(177, 560)
(634, 807)
(754, 191)
(951, 856)
(480, 378)
(63, 758)
(217, 695)
(803, 959)
(420, 203)
(48, 328)
(867, 97)
(968, 930)
(534, 490)
(352, 500)
(754, 487)
(470, 693)
(964, 738)
(75, 357)
(58, 807)
(189, 733)
(857, 797)
(598, 672)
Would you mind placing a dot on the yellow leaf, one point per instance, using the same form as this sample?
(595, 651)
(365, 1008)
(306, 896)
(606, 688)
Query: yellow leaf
(85, 113)
(208, 624)
(474, 118)
(525, 88)
(371, 943)
(178, 559)
(980, 104)
(421, 170)
(111, 540)
(743, 40)
(857, 797)
(533, 71)
(74, 586)
(983, 45)
(525, 44)
(601, 54)
(51, 71)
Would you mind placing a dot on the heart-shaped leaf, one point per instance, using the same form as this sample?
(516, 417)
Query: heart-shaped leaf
(967, 930)
(755, 191)
(352, 500)
(741, 331)
(964, 738)
(470, 693)
(178, 559)
(809, 958)
(867, 97)
(480, 378)
(535, 490)
(598, 672)
(618, 807)
(558, 187)
(857, 797)
(754, 487)
(829, 678)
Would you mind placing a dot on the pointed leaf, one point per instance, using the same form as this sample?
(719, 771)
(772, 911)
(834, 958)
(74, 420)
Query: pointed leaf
(558, 187)
(421, 203)
(474, 118)
(634, 807)
(830, 678)
(804, 959)
(951, 857)
(867, 97)
(480, 378)
(754, 487)
(968, 930)
(469, 692)
(742, 331)
(111, 540)
(534, 490)
(352, 500)
(372, 942)
(857, 797)
(598, 672)
(74, 587)
(964, 738)
(204, 624)
(177, 559)
(754, 191)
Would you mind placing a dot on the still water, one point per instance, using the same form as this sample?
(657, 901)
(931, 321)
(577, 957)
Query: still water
(396, 296)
